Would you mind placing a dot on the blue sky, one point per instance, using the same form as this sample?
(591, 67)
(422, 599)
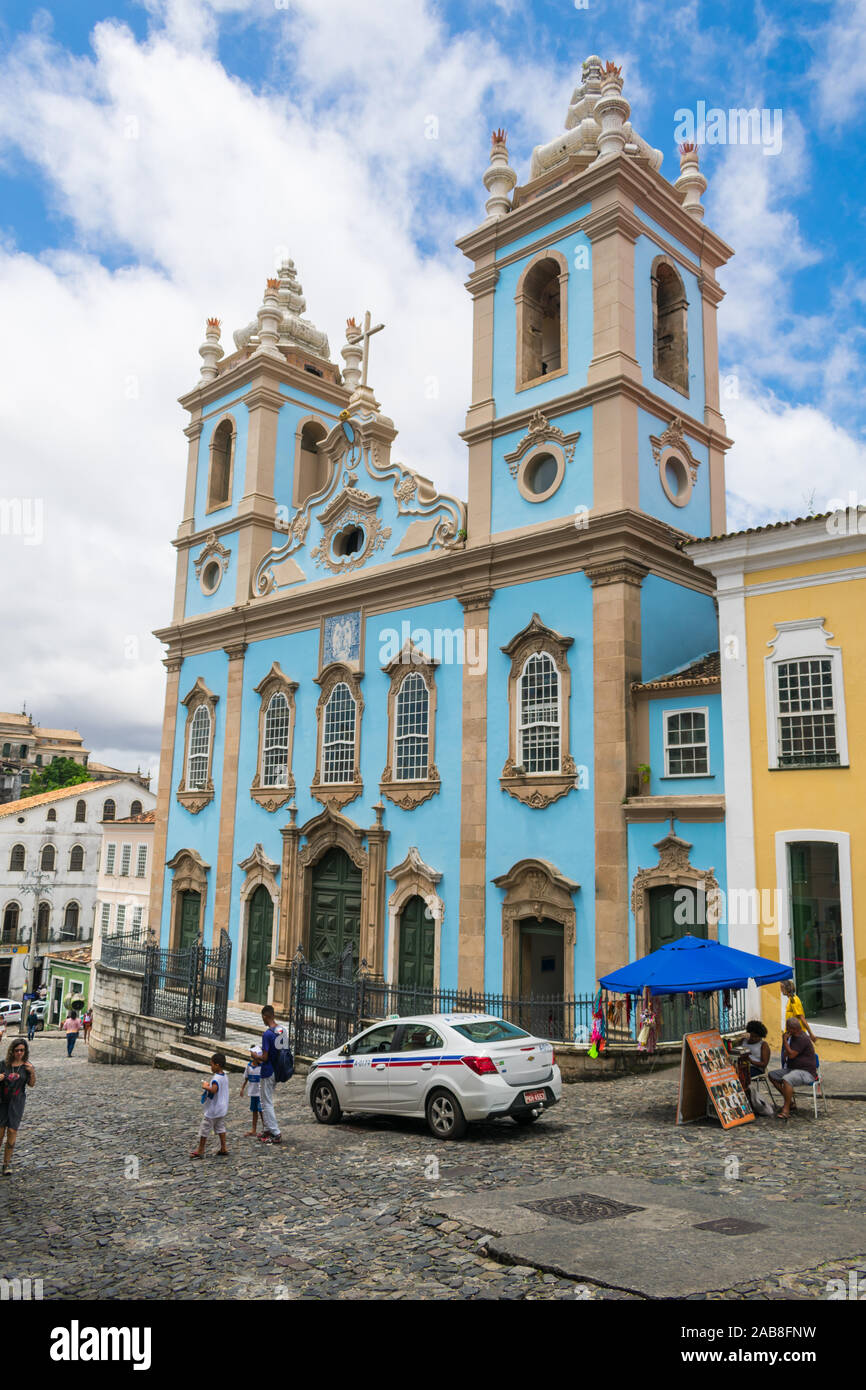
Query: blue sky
(156, 158)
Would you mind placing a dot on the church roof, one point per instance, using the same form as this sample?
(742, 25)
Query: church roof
(293, 330)
(705, 670)
(583, 127)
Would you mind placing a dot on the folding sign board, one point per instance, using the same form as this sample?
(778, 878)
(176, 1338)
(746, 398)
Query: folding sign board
(707, 1070)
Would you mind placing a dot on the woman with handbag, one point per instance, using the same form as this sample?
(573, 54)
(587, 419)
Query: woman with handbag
(17, 1074)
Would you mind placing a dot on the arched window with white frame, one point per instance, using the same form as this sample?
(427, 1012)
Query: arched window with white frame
(275, 743)
(199, 749)
(411, 729)
(338, 737)
(538, 722)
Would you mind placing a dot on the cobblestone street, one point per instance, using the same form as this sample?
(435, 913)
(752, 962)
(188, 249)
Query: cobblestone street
(104, 1201)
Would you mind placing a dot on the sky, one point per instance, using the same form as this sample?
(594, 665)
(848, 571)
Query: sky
(157, 159)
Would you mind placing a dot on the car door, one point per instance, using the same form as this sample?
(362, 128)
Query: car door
(366, 1081)
(414, 1064)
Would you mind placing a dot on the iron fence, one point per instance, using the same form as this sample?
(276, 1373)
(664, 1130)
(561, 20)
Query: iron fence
(189, 986)
(124, 952)
(327, 1007)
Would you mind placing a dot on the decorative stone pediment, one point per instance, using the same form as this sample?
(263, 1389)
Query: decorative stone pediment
(328, 829)
(213, 549)
(674, 439)
(674, 867)
(413, 865)
(535, 637)
(258, 860)
(350, 510)
(541, 431)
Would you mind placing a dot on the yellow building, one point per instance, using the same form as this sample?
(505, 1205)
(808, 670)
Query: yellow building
(792, 598)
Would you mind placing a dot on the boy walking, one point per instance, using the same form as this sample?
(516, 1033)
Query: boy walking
(216, 1107)
(271, 1134)
(253, 1077)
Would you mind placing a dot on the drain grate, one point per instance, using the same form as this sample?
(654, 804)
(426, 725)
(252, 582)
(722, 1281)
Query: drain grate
(730, 1226)
(581, 1209)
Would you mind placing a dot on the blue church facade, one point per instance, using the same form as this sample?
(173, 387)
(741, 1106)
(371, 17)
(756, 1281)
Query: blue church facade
(478, 742)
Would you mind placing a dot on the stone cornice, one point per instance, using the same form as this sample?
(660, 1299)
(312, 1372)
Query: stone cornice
(194, 428)
(483, 281)
(625, 538)
(571, 184)
(684, 808)
(610, 220)
(585, 396)
(261, 373)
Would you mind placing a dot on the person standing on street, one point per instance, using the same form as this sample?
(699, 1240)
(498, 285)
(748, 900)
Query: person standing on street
(71, 1028)
(87, 1023)
(271, 1133)
(17, 1074)
(32, 1021)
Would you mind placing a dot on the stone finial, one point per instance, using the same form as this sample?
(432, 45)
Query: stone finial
(352, 353)
(210, 351)
(583, 125)
(292, 329)
(268, 318)
(499, 178)
(691, 182)
(613, 111)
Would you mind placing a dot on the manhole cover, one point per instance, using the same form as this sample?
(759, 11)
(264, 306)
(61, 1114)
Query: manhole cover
(730, 1226)
(581, 1209)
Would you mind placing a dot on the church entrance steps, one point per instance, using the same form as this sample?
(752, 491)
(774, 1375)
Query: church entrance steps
(194, 1054)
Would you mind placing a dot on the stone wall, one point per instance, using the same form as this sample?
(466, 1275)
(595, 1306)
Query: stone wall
(120, 1033)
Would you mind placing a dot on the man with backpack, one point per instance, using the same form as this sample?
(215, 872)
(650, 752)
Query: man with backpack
(277, 1066)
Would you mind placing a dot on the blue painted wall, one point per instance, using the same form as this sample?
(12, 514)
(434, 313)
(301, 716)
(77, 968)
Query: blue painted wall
(707, 839)
(197, 601)
(509, 399)
(678, 625)
(563, 833)
(708, 785)
(507, 248)
(694, 517)
(511, 510)
(645, 252)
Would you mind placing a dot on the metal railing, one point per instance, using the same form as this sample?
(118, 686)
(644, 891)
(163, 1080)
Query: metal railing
(327, 1007)
(189, 987)
(124, 952)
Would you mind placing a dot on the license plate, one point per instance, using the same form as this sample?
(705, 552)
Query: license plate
(532, 1096)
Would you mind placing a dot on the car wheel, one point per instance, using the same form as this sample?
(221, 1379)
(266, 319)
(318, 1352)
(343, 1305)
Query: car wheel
(525, 1119)
(326, 1107)
(445, 1118)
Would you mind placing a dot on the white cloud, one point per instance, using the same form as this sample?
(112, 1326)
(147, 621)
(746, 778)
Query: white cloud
(839, 71)
(788, 460)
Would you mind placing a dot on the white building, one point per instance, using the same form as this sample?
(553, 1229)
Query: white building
(49, 864)
(123, 885)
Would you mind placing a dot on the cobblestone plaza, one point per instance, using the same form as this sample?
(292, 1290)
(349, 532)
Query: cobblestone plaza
(105, 1203)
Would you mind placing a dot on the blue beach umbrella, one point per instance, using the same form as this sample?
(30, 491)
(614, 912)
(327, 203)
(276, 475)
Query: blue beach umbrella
(691, 965)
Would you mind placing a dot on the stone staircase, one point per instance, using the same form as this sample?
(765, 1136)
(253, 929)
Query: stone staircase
(194, 1054)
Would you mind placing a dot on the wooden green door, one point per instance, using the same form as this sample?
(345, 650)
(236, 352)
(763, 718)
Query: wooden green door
(335, 909)
(665, 908)
(260, 922)
(417, 945)
(190, 915)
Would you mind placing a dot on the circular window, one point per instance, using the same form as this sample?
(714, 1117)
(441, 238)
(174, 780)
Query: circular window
(540, 475)
(211, 576)
(349, 541)
(676, 479)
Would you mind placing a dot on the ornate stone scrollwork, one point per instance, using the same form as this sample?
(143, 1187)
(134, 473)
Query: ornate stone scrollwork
(673, 868)
(535, 888)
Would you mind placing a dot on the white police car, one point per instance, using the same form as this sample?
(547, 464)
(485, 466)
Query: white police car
(448, 1068)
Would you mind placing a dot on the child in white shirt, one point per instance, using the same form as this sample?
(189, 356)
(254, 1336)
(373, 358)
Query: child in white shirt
(253, 1078)
(216, 1107)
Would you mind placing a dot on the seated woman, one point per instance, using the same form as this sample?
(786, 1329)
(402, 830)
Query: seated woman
(802, 1069)
(755, 1049)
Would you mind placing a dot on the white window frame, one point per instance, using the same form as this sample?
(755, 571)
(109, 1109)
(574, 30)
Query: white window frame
(141, 862)
(120, 919)
(105, 919)
(110, 856)
(350, 742)
(125, 860)
(673, 713)
(518, 751)
(842, 840)
(137, 914)
(802, 640)
(403, 738)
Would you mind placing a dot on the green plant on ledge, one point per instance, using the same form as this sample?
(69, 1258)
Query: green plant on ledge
(643, 772)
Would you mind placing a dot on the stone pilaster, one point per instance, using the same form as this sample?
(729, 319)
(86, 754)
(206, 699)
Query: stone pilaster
(613, 230)
(481, 285)
(290, 923)
(616, 643)
(256, 510)
(711, 296)
(473, 797)
(373, 929)
(172, 665)
(229, 790)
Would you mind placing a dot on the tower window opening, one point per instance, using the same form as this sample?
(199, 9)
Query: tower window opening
(670, 328)
(311, 468)
(222, 458)
(540, 322)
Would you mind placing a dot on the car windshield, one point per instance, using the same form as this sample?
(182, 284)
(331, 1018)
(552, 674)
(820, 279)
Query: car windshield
(489, 1030)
